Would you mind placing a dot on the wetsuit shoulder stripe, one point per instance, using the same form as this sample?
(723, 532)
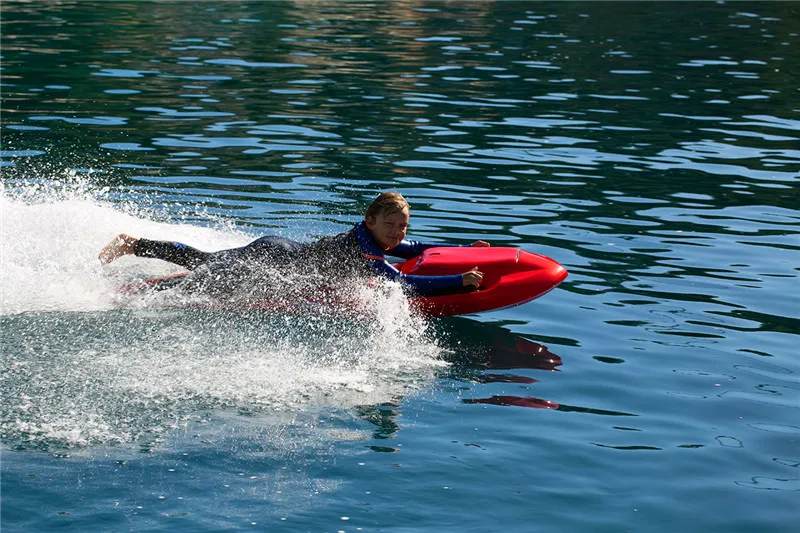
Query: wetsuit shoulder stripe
(375, 257)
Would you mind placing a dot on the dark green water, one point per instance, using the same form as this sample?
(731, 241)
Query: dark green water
(650, 147)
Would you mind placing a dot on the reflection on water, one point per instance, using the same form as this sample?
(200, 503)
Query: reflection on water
(479, 348)
(472, 350)
(516, 401)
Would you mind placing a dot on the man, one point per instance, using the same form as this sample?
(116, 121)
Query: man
(359, 252)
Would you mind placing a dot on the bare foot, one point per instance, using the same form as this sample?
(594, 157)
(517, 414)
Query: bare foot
(121, 245)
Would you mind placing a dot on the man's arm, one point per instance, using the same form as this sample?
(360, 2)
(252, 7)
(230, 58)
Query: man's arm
(424, 285)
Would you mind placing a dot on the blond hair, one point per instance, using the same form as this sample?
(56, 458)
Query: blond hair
(387, 203)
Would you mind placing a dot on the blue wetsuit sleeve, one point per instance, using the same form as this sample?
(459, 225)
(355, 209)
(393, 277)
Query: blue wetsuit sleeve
(419, 284)
(423, 285)
(408, 249)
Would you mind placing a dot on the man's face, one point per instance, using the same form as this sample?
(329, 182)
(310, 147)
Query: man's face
(389, 230)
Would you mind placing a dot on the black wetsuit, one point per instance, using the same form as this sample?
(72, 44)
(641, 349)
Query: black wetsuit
(352, 254)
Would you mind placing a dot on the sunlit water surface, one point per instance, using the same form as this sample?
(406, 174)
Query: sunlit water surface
(651, 148)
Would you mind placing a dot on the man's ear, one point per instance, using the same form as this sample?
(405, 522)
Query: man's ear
(370, 221)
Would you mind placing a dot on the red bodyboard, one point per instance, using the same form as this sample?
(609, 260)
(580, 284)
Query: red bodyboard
(511, 276)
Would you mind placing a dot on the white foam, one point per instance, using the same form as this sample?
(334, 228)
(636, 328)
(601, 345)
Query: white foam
(80, 369)
(50, 240)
